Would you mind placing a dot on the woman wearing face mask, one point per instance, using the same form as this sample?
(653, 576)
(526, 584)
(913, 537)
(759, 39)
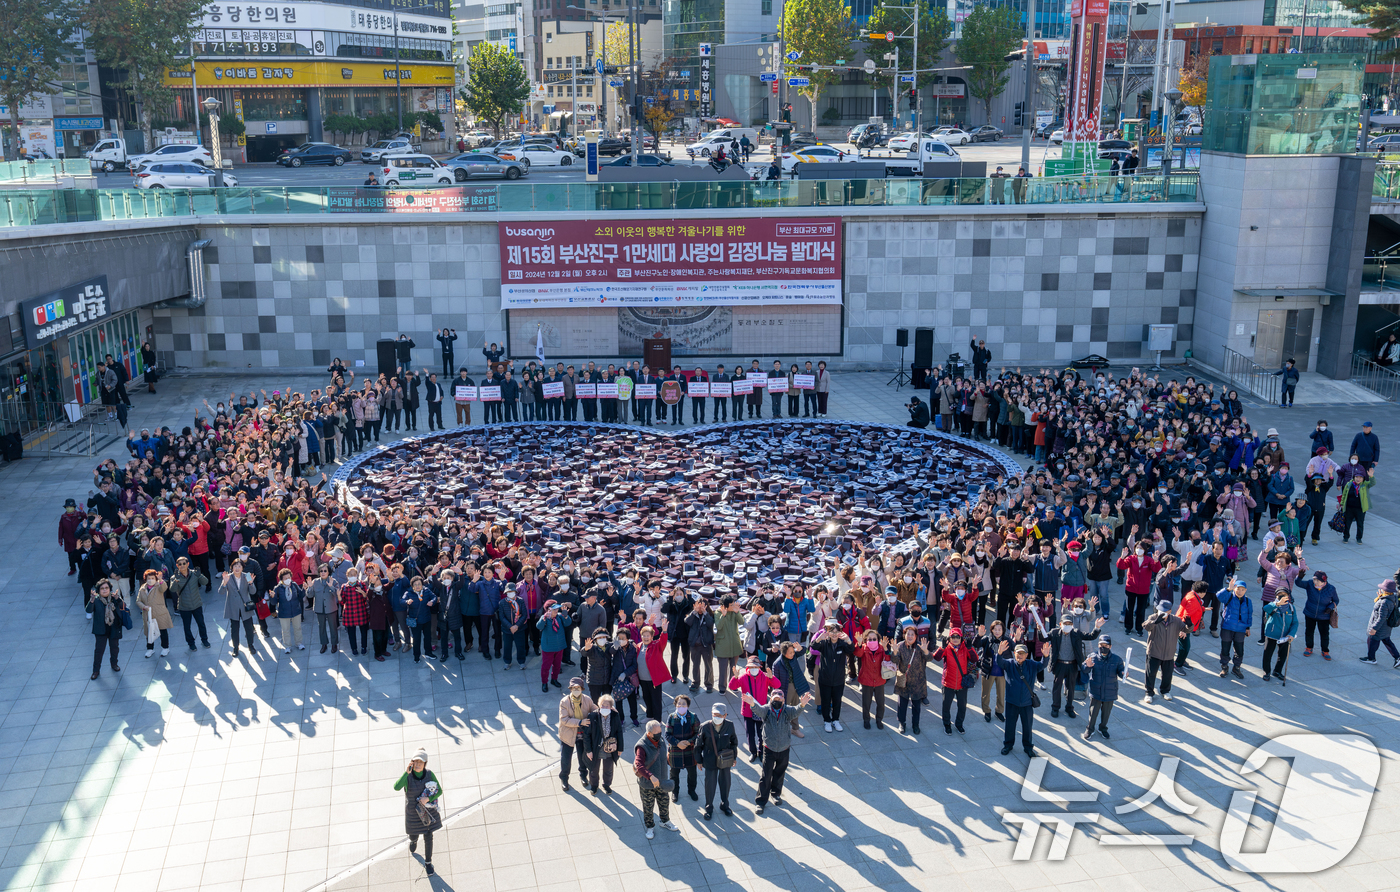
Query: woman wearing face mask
(623, 657)
(682, 730)
(600, 736)
(238, 591)
(652, 671)
(422, 817)
(574, 707)
(109, 617)
(959, 673)
(376, 618)
(755, 683)
(911, 684)
(987, 643)
(870, 657)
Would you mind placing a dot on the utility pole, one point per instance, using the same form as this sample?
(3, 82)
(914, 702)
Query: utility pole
(1159, 72)
(1028, 109)
(398, 73)
(918, 20)
(634, 58)
(603, 79)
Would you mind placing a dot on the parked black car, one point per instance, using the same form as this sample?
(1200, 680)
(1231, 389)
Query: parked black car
(647, 160)
(611, 145)
(314, 153)
(985, 133)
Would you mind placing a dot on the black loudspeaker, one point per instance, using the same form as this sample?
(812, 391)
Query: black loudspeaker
(901, 337)
(388, 356)
(923, 347)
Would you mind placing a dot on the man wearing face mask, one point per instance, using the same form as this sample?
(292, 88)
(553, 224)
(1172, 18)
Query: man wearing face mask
(754, 684)
(717, 750)
(887, 615)
(1164, 629)
(574, 707)
(1020, 694)
(649, 764)
(682, 732)
(777, 722)
(1066, 653)
(1105, 669)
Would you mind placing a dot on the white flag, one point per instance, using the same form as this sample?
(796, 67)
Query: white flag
(539, 343)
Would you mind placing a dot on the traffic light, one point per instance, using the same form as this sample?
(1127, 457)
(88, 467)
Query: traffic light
(787, 111)
(913, 95)
(639, 105)
(1020, 114)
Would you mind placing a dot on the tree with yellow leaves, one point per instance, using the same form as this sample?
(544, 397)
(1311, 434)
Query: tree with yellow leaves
(1193, 81)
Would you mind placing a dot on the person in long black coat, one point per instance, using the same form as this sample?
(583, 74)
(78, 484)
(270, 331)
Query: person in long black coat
(717, 738)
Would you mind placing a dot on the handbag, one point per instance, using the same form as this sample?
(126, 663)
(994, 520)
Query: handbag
(126, 618)
(1332, 621)
(724, 758)
(969, 676)
(623, 689)
(888, 669)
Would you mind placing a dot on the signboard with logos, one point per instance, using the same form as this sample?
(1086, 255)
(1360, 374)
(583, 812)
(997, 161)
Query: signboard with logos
(441, 200)
(706, 96)
(1089, 50)
(673, 263)
(64, 311)
(33, 107)
(285, 16)
(93, 123)
(285, 73)
(37, 139)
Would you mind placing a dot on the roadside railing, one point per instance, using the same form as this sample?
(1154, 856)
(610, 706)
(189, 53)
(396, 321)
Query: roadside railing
(53, 428)
(1245, 373)
(40, 207)
(1380, 380)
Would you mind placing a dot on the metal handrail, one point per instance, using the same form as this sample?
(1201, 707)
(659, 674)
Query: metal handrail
(1380, 380)
(1244, 372)
(54, 428)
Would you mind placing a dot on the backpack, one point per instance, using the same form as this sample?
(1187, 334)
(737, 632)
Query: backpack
(1392, 619)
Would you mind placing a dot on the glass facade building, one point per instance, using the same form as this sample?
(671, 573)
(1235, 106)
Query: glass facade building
(1283, 104)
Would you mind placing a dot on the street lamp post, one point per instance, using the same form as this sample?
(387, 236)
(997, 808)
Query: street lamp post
(211, 105)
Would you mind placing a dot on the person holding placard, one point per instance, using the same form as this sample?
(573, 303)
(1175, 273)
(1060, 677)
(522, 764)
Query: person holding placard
(678, 407)
(634, 373)
(645, 391)
(756, 376)
(806, 383)
(739, 397)
(587, 390)
(793, 395)
(661, 406)
(463, 395)
(699, 389)
(720, 394)
(775, 394)
(607, 396)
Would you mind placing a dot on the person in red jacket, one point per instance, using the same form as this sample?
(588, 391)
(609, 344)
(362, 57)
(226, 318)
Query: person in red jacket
(854, 624)
(958, 603)
(1192, 610)
(68, 523)
(653, 660)
(958, 660)
(870, 656)
(1141, 567)
(756, 682)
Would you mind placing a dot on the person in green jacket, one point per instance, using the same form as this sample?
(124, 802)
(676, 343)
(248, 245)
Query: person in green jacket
(421, 813)
(729, 648)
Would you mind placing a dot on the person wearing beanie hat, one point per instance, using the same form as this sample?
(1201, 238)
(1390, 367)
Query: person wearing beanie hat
(421, 813)
(1385, 614)
(574, 707)
(1164, 629)
(1105, 669)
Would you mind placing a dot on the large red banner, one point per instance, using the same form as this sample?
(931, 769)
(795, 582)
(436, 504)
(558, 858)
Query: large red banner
(767, 260)
(1088, 51)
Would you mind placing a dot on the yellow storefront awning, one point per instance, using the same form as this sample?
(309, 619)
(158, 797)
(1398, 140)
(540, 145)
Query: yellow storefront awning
(296, 73)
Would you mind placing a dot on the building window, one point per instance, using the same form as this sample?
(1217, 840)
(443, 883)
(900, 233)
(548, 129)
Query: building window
(590, 91)
(1217, 47)
(1248, 45)
(767, 7)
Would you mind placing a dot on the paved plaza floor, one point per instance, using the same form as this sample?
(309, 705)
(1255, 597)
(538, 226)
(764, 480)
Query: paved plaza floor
(198, 771)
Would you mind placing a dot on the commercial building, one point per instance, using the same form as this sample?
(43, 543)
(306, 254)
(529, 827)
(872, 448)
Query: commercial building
(283, 69)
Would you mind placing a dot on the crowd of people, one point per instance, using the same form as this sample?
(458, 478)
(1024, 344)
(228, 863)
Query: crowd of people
(1150, 504)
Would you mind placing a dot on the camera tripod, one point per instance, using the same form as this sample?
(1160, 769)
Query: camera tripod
(901, 377)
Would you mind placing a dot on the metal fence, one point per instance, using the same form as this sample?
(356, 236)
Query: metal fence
(1246, 374)
(50, 428)
(38, 207)
(1379, 379)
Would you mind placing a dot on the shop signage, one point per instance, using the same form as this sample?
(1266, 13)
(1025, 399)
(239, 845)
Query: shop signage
(69, 308)
(307, 74)
(95, 123)
(322, 17)
(440, 200)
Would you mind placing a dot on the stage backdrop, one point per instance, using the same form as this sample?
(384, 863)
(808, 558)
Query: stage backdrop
(598, 289)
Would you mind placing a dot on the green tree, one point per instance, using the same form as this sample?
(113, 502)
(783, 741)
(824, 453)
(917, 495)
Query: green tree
(145, 40)
(497, 85)
(822, 31)
(1383, 15)
(934, 29)
(33, 39)
(987, 36)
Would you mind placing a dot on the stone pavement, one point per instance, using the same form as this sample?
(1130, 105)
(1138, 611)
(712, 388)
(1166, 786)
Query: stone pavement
(275, 773)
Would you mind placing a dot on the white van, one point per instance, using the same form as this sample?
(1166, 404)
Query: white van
(415, 169)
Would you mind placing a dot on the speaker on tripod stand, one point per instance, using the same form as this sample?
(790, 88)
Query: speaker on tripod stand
(901, 340)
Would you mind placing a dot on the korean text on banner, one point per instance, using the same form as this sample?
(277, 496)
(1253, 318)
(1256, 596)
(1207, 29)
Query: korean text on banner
(758, 379)
(553, 389)
(607, 390)
(698, 389)
(742, 387)
(804, 382)
(490, 394)
(777, 385)
(686, 263)
(585, 391)
(721, 388)
(463, 393)
(646, 391)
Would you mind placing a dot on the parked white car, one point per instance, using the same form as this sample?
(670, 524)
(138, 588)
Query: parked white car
(414, 169)
(538, 154)
(375, 154)
(178, 175)
(710, 145)
(172, 153)
(1058, 137)
(954, 137)
(816, 154)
